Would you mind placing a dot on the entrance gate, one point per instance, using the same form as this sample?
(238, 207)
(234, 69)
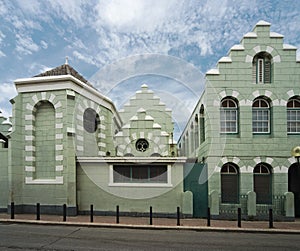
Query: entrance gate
(196, 181)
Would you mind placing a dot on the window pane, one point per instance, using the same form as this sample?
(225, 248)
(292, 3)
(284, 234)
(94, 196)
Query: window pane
(262, 188)
(158, 174)
(293, 120)
(121, 174)
(228, 120)
(140, 174)
(260, 120)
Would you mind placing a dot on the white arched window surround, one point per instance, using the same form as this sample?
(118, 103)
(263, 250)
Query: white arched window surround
(293, 116)
(229, 116)
(261, 116)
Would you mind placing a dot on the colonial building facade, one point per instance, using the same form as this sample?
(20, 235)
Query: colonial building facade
(68, 144)
(245, 126)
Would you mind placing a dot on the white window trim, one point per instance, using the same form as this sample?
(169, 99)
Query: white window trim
(224, 109)
(292, 109)
(269, 121)
(113, 184)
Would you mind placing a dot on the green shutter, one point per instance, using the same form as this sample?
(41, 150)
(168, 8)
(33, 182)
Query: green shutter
(267, 73)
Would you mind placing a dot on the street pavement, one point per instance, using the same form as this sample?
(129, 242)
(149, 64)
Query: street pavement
(27, 237)
(157, 223)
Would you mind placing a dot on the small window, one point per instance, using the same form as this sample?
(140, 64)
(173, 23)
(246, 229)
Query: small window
(229, 183)
(293, 116)
(196, 131)
(90, 120)
(263, 184)
(260, 116)
(228, 116)
(202, 124)
(142, 145)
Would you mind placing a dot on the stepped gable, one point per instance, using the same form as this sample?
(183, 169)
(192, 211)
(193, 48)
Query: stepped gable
(64, 69)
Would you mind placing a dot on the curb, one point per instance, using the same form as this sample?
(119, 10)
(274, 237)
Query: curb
(153, 227)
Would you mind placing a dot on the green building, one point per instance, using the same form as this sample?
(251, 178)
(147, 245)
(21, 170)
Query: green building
(245, 125)
(69, 145)
(66, 143)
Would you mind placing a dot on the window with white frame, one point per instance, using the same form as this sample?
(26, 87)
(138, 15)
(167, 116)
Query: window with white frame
(260, 116)
(293, 116)
(140, 174)
(228, 116)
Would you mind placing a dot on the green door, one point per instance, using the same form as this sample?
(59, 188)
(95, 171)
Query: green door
(196, 181)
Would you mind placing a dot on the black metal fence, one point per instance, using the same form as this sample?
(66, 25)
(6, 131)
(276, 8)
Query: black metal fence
(179, 215)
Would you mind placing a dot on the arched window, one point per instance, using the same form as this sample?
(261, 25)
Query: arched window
(202, 125)
(187, 144)
(262, 68)
(228, 116)
(293, 116)
(261, 116)
(263, 183)
(229, 183)
(192, 136)
(196, 131)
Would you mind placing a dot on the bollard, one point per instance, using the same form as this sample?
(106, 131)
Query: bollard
(151, 216)
(92, 214)
(208, 217)
(64, 212)
(271, 218)
(178, 216)
(38, 211)
(12, 210)
(117, 215)
(239, 217)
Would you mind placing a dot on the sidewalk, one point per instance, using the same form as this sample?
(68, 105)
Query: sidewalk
(158, 223)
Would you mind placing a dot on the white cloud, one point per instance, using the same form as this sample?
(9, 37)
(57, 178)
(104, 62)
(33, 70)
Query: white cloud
(35, 68)
(2, 54)
(8, 91)
(31, 7)
(2, 36)
(135, 15)
(44, 44)
(86, 58)
(69, 10)
(25, 45)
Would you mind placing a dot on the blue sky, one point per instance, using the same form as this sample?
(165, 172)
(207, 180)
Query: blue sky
(105, 38)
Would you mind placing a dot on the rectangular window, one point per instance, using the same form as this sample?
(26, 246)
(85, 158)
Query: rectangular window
(293, 121)
(228, 121)
(260, 121)
(140, 174)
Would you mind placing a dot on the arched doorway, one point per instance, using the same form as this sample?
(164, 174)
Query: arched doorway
(294, 186)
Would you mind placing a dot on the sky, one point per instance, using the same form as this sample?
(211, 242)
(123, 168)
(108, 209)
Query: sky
(118, 45)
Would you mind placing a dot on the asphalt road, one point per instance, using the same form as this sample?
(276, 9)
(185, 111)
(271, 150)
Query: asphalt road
(45, 237)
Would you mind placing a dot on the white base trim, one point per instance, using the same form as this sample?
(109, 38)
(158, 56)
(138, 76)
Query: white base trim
(57, 180)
